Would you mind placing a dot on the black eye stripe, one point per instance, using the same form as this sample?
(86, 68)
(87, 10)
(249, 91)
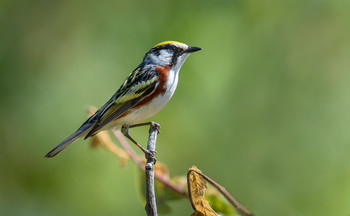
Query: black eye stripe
(176, 53)
(172, 48)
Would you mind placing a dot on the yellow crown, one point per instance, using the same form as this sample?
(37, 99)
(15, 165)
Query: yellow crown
(169, 42)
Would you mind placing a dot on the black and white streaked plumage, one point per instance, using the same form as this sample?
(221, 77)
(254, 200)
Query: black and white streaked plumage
(143, 94)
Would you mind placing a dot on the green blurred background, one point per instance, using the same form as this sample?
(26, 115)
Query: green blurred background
(264, 108)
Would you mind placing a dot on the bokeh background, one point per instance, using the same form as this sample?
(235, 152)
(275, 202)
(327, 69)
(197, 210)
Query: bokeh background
(264, 108)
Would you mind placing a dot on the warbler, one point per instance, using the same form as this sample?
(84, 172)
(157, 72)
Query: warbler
(143, 94)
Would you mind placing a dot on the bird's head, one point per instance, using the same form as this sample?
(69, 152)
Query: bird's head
(169, 53)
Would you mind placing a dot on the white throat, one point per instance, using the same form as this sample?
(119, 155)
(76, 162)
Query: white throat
(173, 76)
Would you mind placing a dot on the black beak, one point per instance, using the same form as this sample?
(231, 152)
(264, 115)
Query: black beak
(193, 49)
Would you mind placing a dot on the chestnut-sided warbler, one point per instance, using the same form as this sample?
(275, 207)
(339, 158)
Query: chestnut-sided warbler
(143, 94)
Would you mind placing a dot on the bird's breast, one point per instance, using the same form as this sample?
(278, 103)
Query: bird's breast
(156, 101)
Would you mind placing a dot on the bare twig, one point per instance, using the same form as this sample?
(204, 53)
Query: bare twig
(224, 192)
(151, 205)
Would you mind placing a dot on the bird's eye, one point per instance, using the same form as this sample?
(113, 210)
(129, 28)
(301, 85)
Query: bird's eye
(171, 49)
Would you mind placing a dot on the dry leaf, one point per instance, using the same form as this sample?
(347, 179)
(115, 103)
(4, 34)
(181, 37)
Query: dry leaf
(197, 186)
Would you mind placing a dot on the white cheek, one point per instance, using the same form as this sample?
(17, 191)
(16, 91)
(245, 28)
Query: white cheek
(163, 58)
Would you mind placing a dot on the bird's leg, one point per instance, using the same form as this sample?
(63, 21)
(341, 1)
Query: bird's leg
(151, 124)
(125, 131)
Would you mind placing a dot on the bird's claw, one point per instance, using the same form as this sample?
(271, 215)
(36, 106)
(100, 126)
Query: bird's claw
(150, 154)
(155, 125)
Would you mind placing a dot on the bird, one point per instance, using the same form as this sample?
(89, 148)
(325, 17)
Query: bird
(143, 94)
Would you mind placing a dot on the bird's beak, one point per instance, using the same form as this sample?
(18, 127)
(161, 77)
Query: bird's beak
(193, 49)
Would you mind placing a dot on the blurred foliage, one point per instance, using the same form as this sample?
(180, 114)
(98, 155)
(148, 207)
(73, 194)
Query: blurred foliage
(264, 108)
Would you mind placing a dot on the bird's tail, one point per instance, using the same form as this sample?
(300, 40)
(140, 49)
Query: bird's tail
(81, 132)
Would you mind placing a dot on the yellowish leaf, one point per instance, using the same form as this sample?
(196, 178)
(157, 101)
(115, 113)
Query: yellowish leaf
(196, 187)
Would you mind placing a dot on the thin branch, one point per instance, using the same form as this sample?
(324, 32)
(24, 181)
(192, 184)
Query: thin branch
(151, 205)
(224, 192)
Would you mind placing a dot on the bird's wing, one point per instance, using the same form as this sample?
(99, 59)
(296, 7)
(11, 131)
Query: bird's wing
(140, 83)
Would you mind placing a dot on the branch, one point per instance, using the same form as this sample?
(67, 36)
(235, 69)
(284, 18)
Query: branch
(151, 205)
